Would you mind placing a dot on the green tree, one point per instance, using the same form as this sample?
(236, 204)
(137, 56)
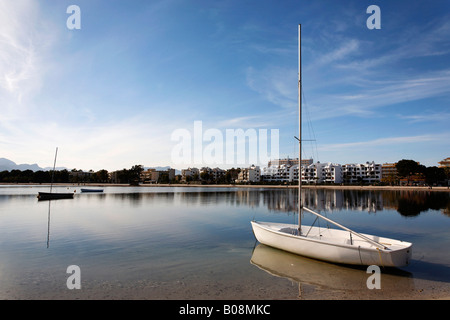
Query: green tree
(434, 175)
(102, 175)
(123, 176)
(42, 176)
(135, 173)
(405, 168)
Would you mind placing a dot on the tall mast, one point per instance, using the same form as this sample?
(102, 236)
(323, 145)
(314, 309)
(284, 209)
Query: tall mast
(53, 172)
(299, 127)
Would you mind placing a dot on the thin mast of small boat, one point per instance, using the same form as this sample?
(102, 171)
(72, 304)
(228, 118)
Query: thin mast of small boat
(53, 172)
(299, 129)
(300, 207)
(337, 247)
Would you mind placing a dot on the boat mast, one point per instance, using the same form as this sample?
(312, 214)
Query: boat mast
(53, 172)
(299, 128)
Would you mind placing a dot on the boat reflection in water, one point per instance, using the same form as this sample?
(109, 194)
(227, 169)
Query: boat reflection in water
(325, 276)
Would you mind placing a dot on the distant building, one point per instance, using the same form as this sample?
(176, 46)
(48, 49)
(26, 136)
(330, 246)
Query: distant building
(283, 170)
(413, 180)
(289, 162)
(154, 176)
(444, 163)
(322, 173)
(369, 172)
(250, 174)
(149, 176)
(80, 175)
(331, 173)
(389, 173)
(279, 173)
(287, 172)
(190, 174)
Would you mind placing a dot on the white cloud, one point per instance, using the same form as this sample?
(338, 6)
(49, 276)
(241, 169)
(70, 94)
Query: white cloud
(19, 56)
(26, 40)
(385, 142)
(349, 47)
(112, 146)
(426, 117)
(277, 85)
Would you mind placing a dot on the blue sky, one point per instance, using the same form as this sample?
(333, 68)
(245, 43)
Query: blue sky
(111, 94)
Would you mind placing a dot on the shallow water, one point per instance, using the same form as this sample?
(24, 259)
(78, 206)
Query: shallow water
(197, 243)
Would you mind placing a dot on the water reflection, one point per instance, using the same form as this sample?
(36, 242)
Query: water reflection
(201, 235)
(323, 275)
(407, 203)
(334, 277)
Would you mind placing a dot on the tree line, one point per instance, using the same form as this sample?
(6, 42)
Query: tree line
(131, 176)
(406, 169)
(411, 171)
(58, 176)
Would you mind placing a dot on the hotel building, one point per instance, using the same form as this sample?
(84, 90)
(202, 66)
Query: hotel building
(444, 163)
(368, 172)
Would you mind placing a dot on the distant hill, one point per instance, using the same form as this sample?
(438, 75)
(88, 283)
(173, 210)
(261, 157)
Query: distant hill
(163, 169)
(8, 165)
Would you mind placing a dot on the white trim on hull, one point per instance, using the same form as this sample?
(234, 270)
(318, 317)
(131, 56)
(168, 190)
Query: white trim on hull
(333, 245)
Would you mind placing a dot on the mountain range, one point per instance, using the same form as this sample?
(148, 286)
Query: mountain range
(8, 165)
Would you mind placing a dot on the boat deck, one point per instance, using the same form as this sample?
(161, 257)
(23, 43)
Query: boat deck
(336, 236)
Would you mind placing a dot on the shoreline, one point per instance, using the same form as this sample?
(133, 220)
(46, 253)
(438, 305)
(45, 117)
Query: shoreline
(265, 186)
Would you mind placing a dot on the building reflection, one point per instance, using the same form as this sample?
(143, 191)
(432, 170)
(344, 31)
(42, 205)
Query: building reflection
(407, 203)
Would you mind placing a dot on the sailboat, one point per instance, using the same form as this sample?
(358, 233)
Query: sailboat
(343, 245)
(91, 190)
(54, 195)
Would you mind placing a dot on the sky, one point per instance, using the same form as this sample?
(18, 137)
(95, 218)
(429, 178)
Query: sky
(161, 82)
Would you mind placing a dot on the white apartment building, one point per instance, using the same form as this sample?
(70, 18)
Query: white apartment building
(368, 172)
(250, 174)
(280, 173)
(322, 173)
(331, 172)
(312, 173)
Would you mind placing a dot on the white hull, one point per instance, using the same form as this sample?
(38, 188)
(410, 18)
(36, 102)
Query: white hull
(333, 245)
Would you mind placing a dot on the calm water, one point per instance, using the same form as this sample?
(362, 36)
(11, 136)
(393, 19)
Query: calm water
(197, 243)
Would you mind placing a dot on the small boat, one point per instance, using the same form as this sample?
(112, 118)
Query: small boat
(333, 245)
(91, 190)
(55, 195)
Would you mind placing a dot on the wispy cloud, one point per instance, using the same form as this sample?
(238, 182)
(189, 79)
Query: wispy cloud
(112, 145)
(18, 56)
(364, 97)
(431, 116)
(343, 52)
(25, 40)
(276, 84)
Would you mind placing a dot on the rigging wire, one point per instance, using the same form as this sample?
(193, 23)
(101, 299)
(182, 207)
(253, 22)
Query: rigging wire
(310, 129)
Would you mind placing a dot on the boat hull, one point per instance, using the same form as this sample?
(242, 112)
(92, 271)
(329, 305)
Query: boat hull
(54, 196)
(333, 245)
(91, 190)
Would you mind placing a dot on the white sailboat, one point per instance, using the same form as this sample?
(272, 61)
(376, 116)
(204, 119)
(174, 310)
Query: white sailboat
(342, 245)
